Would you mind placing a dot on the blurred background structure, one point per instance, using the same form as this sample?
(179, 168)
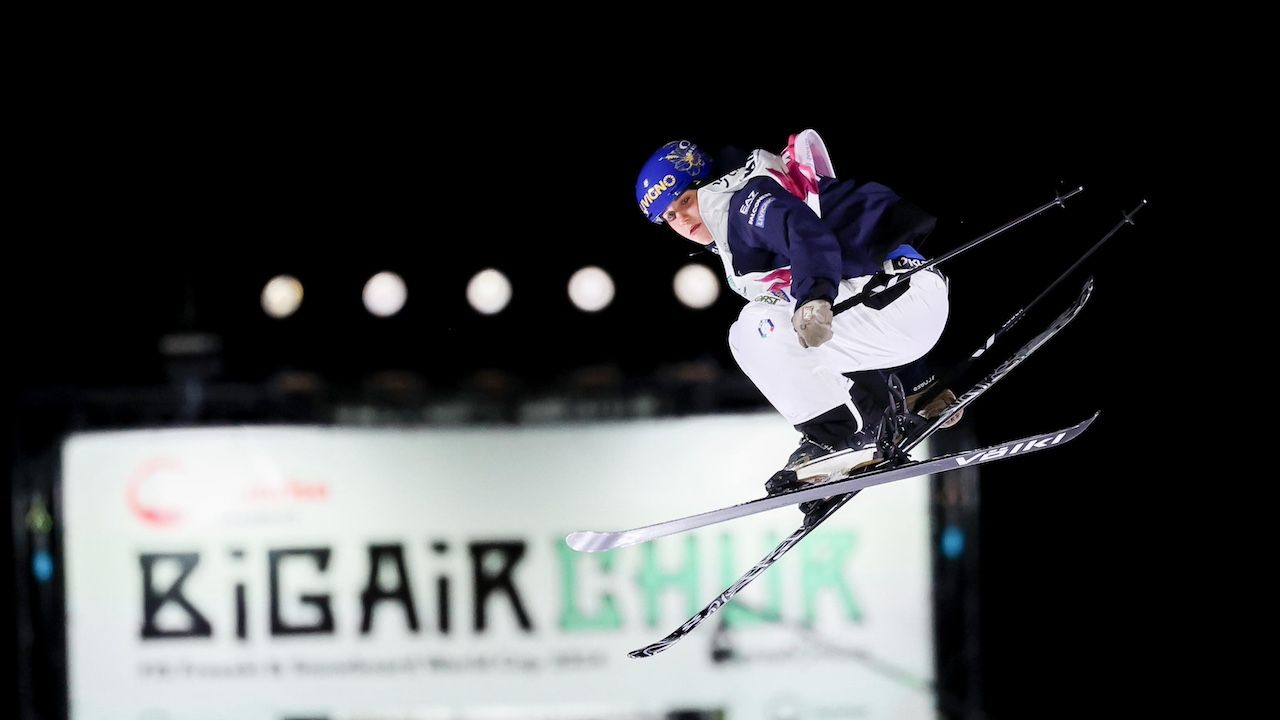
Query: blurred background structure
(423, 357)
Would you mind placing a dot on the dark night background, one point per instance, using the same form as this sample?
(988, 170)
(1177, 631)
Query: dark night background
(154, 212)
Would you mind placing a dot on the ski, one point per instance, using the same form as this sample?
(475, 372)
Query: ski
(588, 541)
(916, 437)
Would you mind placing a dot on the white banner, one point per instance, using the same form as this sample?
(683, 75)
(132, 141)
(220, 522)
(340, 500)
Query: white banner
(273, 573)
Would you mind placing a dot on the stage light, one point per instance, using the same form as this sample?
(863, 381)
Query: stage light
(489, 292)
(281, 296)
(696, 286)
(591, 289)
(385, 294)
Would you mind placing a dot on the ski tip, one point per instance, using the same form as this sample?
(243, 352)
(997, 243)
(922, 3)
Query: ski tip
(647, 651)
(579, 541)
(1086, 292)
(588, 541)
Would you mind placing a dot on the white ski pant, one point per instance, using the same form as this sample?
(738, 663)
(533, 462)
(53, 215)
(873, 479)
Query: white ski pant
(802, 383)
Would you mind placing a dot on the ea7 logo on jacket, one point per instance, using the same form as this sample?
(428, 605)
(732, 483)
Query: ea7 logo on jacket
(1023, 446)
(746, 205)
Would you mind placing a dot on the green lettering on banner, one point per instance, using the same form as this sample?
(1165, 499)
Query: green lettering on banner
(572, 617)
(653, 581)
(824, 558)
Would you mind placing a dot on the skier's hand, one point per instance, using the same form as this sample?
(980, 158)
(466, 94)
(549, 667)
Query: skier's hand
(812, 322)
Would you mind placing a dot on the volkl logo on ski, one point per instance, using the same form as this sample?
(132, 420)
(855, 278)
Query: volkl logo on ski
(994, 453)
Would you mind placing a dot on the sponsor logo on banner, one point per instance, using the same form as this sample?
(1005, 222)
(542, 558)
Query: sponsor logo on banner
(471, 584)
(161, 492)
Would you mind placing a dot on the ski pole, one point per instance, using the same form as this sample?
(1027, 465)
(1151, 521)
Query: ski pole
(868, 293)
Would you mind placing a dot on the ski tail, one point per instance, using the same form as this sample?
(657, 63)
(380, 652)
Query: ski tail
(941, 382)
(924, 431)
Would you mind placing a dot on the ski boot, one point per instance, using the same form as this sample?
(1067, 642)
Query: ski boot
(879, 443)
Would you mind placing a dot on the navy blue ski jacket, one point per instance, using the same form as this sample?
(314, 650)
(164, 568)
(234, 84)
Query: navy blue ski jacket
(861, 225)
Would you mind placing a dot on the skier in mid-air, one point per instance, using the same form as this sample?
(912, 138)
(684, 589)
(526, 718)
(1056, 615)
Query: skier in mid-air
(794, 239)
(803, 247)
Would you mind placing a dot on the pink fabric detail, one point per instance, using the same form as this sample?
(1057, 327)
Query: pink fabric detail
(778, 279)
(799, 180)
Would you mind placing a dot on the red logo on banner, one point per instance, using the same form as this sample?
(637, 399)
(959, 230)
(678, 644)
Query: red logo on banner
(161, 492)
(150, 514)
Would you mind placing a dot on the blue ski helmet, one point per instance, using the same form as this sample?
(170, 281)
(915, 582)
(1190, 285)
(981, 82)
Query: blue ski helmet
(676, 167)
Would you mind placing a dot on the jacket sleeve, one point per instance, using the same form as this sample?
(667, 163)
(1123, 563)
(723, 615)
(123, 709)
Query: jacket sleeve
(776, 220)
